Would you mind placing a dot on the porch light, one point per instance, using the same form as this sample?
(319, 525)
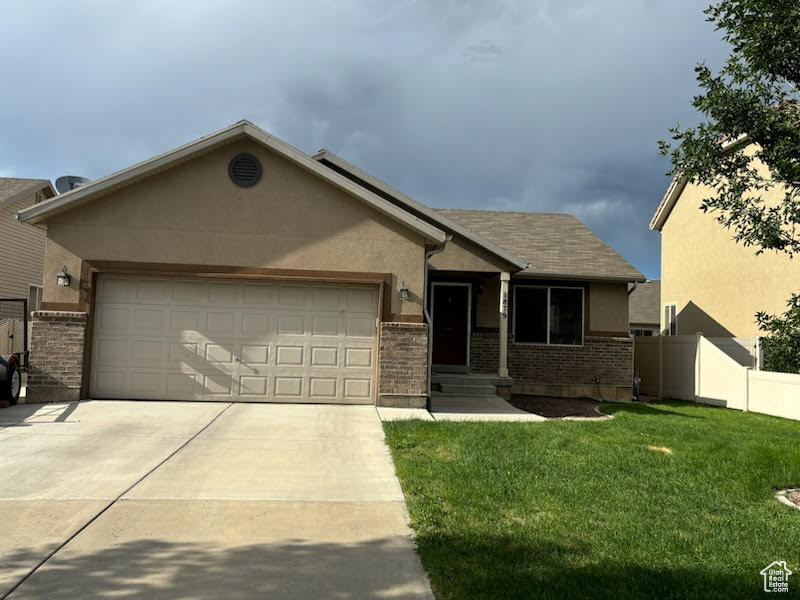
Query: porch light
(403, 291)
(63, 278)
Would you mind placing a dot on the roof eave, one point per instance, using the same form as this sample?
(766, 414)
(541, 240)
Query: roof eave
(39, 212)
(36, 213)
(578, 277)
(678, 184)
(436, 217)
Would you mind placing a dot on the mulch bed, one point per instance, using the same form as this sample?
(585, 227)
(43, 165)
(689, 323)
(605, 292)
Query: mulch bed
(556, 408)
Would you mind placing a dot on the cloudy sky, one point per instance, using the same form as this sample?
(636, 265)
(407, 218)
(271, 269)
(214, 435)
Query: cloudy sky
(533, 105)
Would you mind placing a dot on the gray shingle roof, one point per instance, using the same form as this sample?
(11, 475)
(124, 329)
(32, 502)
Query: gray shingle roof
(554, 244)
(644, 306)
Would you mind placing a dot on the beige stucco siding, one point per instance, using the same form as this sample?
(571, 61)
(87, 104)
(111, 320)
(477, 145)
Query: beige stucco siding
(718, 285)
(194, 214)
(608, 307)
(22, 249)
(487, 303)
(461, 255)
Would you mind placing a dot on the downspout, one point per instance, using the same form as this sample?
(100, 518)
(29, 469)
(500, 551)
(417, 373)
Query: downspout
(425, 311)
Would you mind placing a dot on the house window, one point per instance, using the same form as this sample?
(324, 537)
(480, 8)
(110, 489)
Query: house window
(548, 315)
(670, 320)
(644, 332)
(34, 297)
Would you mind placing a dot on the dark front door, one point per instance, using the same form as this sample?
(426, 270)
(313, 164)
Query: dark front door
(450, 324)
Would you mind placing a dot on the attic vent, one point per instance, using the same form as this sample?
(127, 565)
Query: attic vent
(244, 170)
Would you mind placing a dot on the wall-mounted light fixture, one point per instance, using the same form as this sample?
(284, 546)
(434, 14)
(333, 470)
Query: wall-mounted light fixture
(403, 291)
(63, 278)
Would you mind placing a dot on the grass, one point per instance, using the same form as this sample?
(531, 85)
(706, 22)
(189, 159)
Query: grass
(670, 500)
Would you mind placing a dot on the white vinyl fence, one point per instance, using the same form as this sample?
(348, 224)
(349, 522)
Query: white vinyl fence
(716, 371)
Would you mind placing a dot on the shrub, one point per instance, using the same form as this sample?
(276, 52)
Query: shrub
(782, 342)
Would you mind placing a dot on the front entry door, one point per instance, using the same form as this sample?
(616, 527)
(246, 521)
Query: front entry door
(451, 307)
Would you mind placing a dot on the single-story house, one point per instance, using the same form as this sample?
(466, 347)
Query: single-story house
(237, 267)
(711, 284)
(644, 308)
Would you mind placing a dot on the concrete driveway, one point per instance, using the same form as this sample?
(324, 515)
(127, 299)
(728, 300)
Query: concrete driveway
(203, 501)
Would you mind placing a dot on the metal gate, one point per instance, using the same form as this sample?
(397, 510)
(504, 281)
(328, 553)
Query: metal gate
(14, 327)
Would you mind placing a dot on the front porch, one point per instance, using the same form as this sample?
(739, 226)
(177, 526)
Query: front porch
(480, 346)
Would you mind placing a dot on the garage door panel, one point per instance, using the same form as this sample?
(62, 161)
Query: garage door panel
(288, 387)
(289, 356)
(360, 327)
(292, 295)
(358, 358)
(324, 356)
(195, 339)
(357, 388)
(322, 387)
(322, 325)
(145, 352)
(255, 354)
(148, 383)
(221, 323)
(291, 325)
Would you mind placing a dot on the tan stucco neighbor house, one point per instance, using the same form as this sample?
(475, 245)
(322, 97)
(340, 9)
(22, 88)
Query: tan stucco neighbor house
(711, 284)
(237, 267)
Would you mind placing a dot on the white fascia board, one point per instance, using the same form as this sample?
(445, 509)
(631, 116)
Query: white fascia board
(434, 216)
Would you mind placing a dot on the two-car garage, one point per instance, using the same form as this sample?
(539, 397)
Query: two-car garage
(184, 338)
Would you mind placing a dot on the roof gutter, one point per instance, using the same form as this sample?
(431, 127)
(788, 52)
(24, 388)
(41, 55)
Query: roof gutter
(427, 314)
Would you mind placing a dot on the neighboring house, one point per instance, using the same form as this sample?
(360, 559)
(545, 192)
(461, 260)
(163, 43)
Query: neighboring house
(237, 267)
(21, 246)
(711, 284)
(644, 308)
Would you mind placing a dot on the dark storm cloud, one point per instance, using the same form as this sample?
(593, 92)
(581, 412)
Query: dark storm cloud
(552, 106)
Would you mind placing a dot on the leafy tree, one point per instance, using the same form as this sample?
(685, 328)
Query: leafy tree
(752, 110)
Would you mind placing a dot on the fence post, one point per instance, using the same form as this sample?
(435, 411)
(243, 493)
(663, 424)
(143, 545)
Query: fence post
(747, 389)
(697, 390)
(660, 367)
(759, 352)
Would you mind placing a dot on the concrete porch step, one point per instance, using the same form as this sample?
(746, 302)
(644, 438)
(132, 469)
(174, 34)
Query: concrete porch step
(469, 379)
(462, 389)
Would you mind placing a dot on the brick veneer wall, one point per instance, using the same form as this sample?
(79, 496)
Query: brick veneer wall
(56, 356)
(561, 370)
(403, 369)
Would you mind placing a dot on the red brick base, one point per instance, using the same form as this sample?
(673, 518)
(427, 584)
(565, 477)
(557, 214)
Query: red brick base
(403, 376)
(56, 358)
(602, 368)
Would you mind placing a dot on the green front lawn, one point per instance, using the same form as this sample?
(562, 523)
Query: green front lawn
(586, 510)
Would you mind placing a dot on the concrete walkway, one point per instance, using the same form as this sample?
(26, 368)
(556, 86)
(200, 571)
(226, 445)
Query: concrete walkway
(201, 500)
(461, 408)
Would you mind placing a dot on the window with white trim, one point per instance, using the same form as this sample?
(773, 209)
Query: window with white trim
(548, 315)
(34, 297)
(670, 320)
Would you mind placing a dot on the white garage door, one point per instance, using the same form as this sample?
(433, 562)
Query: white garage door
(192, 339)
